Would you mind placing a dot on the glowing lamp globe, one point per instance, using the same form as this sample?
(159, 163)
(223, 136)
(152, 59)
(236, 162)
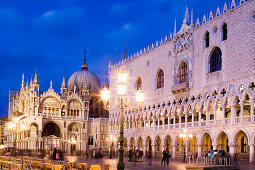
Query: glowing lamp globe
(139, 96)
(122, 77)
(121, 88)
(105, 94)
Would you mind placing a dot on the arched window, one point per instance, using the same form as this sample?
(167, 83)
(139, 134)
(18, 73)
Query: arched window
(215, 60)
(207, 39)
(183, 72)
(138, 83)
(160, 79)
(224, 31)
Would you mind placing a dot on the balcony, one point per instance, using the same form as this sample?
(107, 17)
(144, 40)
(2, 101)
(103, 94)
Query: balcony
(178, 88)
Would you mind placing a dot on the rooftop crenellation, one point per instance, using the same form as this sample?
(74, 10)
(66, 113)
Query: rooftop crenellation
(232, 4)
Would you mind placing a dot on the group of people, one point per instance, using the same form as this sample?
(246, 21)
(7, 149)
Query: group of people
(135, 155)
(95, 154)
(165, 157)
(56, 154)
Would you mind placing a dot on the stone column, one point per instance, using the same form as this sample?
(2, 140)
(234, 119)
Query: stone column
(233, 114)
(144, 124)
(180, 120)
(163, 123)
(153, 123)
(153, 150)
(144, 151)
(214, 146)
(199, 117)
(193, 118)
(232, 150)
(207, 117)
(223, 114)
(214, 114)
(241, 112)
(251, 158)
(174, 122)
(199, 151)
(186, 119)
(252, 111)
(163, 147)
(158, 123)
(174, 150)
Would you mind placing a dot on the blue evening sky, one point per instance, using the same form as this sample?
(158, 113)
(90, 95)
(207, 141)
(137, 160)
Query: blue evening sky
(50, 35)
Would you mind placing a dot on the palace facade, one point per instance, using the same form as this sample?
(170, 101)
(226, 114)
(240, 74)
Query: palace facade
(200, 79)
(73, 120)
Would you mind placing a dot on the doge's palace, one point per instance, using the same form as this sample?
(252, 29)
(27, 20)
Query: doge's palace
(200, 79)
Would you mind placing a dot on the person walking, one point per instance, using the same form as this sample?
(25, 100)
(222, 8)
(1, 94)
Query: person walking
(164, 157)
(168, 156)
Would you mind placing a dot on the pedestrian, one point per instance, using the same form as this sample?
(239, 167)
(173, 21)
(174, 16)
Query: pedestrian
(149, 158)
(168, 156)
(129, 155)
(164, 157)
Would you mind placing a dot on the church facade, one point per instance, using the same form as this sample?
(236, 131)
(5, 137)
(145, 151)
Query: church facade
(73, 120)
(199, 81)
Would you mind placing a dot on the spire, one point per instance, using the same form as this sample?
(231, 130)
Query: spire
(27, 84)
(84, 66)
(35, 79)
(175, 26)
(63, 83)
(191, 20)
(22, 83)
(186, 18)
(51, 84)
(31, 81)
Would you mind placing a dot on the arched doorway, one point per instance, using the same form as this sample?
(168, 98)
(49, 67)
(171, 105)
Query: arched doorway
(74, 144)
(51, 136)
(242, 148)
(140, 143)
(148, 145)
(206, 143)
(132, 143)
(34, 134)
(158, 152)
(223, 142)
(168, 143)
(192, 146)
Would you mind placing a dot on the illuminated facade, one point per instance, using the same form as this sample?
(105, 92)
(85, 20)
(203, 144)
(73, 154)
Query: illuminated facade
(200, 78)
(73, 120)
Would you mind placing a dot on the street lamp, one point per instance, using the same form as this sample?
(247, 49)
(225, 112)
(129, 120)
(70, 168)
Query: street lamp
(185, 135)
(111, 140)
(121, 101)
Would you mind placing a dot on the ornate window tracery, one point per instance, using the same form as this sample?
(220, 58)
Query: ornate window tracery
(160, 79)
(215, 60)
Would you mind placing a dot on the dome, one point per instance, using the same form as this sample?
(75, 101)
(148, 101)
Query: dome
(84, 80)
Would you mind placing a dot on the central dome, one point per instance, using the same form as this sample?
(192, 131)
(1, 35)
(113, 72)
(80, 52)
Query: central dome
(84, 80)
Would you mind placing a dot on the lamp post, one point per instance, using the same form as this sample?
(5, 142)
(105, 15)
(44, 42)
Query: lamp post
(121, 101)
(185, 135)
(111, 141)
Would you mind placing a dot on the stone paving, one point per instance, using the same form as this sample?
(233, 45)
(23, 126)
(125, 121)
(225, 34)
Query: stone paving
(175, 164)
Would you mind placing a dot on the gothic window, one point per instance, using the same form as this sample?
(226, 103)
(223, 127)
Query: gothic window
(207, 39)
(183, 72)
(224, 31)
(138, 83)
(90, 140)
(160, 79)
(215, 60)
